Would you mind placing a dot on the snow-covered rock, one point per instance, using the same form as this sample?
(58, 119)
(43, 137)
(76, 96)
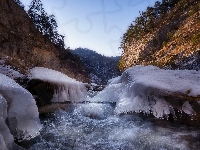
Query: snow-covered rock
(150, 89)
(10, 72)
(66, 88)
(18, 106)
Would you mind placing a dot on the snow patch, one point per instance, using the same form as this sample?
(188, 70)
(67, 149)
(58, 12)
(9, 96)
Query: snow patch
(10, 72)
(66, 88)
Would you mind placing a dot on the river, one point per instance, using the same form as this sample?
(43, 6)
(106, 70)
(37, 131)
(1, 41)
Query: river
(95, 126)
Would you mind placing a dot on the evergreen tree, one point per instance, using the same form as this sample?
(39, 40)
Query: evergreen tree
(157, 7)
(172, 3)
(151, 16)
(19, 3)
(165, 6)
(35, 13)
(45, 23)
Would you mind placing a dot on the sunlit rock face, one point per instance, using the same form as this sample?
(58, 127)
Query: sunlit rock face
(149, 89)
(172, 43)
(17, 106)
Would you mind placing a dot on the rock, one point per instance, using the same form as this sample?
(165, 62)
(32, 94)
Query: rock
(51, 108)
(172, 43)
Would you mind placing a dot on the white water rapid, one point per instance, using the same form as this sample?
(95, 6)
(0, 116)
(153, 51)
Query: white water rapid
(83, 128)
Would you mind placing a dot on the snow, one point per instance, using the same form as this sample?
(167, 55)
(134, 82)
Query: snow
(17, 106)
(66, 88)
(10, 72)
(144, 88)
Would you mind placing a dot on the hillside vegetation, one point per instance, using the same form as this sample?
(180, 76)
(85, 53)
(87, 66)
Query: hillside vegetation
(24, 46)
(166, 35)
(100, 68)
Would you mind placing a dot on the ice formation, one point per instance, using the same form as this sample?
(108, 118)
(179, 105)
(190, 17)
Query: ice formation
(66, 88)
(17, 106)
(6, 138)
(143, 89)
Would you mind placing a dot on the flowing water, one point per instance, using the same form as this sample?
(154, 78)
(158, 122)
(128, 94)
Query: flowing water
(94, 126)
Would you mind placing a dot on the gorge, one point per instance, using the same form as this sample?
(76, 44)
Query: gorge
(48, 98)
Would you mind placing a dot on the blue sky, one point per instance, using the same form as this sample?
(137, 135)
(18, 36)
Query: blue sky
(94, 24)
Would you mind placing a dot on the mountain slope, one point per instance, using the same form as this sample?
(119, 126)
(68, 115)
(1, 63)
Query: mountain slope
(23, 47)
(101, 68)
(172, 42)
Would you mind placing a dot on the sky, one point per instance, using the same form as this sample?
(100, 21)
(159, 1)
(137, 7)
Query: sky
(94, 24)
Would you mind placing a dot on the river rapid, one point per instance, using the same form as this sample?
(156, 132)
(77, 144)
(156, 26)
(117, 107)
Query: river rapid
(95, 126)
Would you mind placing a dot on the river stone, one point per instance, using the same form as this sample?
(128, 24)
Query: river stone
(50, 108)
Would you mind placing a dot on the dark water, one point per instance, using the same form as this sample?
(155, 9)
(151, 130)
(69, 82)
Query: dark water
(95, 127)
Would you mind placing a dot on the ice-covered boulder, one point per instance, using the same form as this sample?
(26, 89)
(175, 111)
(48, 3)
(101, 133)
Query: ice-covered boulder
(150, 89)
(65, 88)
(18, 106)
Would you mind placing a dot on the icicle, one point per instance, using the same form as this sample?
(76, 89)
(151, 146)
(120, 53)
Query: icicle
(186, 107)
(66, 89)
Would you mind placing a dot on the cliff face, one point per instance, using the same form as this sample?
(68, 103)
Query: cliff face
(22, 46)
(174, 44)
